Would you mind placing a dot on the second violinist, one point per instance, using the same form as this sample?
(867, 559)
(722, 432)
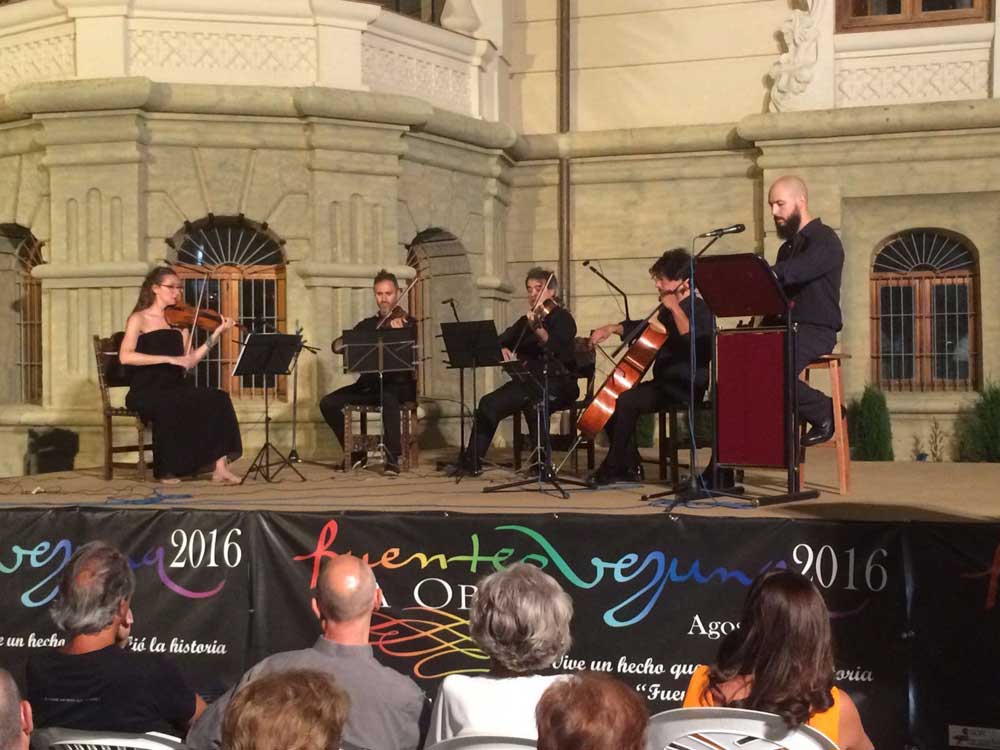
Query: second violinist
(671, 383)
(397, 387)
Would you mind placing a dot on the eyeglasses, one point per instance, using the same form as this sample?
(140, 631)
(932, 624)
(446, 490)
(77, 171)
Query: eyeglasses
(171, 286)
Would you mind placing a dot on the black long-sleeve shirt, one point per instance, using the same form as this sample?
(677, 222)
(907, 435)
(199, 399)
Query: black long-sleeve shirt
(809, 268)
(560, 326)
(404, 378)
(675, 354)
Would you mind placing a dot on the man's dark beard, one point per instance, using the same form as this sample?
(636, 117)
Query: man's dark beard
(791, 226)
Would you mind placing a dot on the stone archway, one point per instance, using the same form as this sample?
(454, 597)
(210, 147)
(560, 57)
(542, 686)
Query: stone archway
(444, 273)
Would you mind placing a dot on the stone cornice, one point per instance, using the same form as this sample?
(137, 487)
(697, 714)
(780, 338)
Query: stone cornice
(313, 101)
(353, 275)
(637, 141)
(860, 121)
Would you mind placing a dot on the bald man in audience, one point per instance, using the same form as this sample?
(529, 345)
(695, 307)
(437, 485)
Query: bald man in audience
(15, 715)
(809, 267)
(387, 710)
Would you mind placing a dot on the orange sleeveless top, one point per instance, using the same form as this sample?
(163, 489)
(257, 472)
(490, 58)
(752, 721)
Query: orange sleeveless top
(828, 722)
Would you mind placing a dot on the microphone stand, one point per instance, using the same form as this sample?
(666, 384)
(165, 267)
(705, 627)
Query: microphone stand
(611, 284)
(293, 454)
(694, 490)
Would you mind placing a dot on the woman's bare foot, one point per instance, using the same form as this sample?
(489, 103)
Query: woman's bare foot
(222, 474)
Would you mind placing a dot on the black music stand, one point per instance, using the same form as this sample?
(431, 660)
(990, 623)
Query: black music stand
(545, 473)
(380, 351)
(268, 354)
(753, 379)
(472, 344)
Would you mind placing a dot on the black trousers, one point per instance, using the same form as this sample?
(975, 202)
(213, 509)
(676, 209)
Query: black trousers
(645, 398)
(813, 342)
(505, 401)
(367, 393)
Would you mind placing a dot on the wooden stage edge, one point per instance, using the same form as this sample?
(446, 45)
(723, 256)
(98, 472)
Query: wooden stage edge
(899, 491)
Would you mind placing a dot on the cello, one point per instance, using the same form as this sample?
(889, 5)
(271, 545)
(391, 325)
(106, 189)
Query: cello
(642, 351)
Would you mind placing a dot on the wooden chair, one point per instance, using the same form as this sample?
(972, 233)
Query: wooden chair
(840, 441)
(670, 445)
(362, 441)
(586, 369)
(111, 374)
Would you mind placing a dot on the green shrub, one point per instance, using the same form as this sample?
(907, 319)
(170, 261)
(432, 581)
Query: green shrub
(869, 427)
(977, 431)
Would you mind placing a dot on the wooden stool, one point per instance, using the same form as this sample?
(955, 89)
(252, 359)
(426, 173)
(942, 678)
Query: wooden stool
(362, 441)
(831, 363)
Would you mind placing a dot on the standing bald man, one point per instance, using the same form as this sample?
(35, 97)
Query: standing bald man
(387, 710)
(809, 267)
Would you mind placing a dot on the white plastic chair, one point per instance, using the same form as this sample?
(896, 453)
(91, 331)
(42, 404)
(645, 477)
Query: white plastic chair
(483, 742)
(729, 729)
(58, 738)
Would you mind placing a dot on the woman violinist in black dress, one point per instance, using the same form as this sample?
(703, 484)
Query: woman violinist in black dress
(193, 428)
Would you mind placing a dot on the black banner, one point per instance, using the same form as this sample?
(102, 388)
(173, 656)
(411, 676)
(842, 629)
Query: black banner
(913, 606)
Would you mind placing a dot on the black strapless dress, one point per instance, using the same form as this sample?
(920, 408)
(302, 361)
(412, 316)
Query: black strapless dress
(192, 427)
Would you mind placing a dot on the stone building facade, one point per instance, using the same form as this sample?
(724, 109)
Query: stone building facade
(356, 139)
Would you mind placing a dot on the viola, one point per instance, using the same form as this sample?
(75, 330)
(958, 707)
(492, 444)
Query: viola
(185, 316)
(628, 372)
(396, 313)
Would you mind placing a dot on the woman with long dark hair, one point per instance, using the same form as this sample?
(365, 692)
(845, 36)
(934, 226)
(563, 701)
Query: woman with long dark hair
(780, 660)
(193, 428)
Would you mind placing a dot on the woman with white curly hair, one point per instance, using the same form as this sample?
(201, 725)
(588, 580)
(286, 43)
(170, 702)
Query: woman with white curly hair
(520, 619)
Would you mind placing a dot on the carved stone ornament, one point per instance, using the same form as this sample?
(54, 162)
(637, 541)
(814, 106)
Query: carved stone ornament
(794, 70)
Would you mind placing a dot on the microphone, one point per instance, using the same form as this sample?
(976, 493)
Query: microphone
(454, 310)
(734, 229)
(447, 301)
(586, 263)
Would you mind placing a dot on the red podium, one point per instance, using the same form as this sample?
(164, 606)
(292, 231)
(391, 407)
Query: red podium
(756, 408)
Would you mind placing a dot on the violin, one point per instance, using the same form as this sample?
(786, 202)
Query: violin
(396, 313)
(185, 316)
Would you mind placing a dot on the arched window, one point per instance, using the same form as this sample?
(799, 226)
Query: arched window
(924, 302)
(20, 252)
(236, 267)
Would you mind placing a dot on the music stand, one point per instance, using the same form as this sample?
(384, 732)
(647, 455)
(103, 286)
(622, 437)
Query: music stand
(753, 368)
(472, 344)
(380, 351)
(546, 474)
(268, 354)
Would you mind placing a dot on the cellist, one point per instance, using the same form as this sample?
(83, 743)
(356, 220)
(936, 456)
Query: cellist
(671, 383)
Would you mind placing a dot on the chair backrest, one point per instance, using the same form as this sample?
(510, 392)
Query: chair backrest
(585, 359)
(57, 738)
(483, 742)
(111, 373)
(729, 729)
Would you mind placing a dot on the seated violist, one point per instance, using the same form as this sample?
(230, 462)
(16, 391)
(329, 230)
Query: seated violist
(534, 338)
(679, 312)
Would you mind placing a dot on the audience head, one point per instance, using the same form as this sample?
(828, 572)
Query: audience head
(346, 590)
(520, 618)
(300, 709)
(784, 645)
(591, 711)
(95, 589)
(15, 715)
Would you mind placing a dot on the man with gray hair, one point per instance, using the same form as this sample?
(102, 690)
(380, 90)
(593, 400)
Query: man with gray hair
(387, 710)
(15, 715)
(94, 682)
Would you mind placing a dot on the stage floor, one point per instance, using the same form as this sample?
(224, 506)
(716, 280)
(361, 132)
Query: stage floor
(897, 491)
